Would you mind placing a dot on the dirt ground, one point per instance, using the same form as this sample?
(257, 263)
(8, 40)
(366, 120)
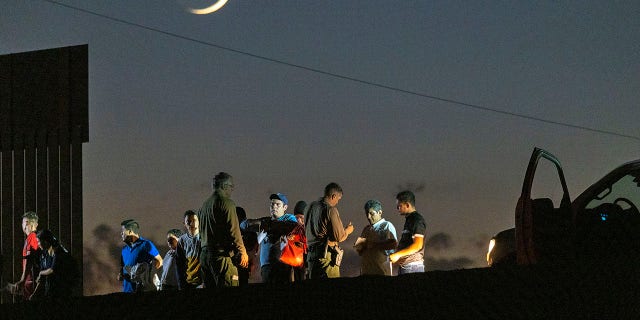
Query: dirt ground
(601, 291)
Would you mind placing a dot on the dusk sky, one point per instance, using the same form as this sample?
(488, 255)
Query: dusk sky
(447, 98)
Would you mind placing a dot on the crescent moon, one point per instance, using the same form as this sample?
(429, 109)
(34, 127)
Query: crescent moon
(212, 8)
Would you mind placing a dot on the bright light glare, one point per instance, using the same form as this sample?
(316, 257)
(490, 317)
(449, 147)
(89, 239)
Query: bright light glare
(213, 8)
(492, 243)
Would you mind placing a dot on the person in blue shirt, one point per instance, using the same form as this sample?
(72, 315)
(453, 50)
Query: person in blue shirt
(271, 232)
(136, 250)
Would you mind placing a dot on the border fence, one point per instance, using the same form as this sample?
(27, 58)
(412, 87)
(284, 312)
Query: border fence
(44, 120)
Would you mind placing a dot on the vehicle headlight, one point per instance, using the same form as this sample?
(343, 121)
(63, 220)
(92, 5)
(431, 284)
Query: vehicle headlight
(492, 244)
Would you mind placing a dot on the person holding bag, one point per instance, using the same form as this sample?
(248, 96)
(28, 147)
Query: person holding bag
(272, 235)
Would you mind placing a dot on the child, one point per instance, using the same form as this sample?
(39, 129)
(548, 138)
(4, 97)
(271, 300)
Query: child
(30, 255)
(58, 272)
(169, 279)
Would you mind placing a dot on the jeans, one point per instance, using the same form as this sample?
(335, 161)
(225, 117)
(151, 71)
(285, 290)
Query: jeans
(412, 267)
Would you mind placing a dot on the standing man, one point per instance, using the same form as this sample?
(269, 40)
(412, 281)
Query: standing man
(377, 241)
(188, 253)
(136, 250)
(410, 252)
(272, 229)
(220, 236)
(324, 231)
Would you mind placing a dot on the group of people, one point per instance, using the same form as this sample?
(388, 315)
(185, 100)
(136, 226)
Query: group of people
(48, 270)
(220, 246)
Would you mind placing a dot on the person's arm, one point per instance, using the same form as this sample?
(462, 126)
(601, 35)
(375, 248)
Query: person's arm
(361, 242)
(279, 228)
(24, 274)
(157, 262)
(153, 251)
(414, 247)
(181, 264)
(250, 225)
(236, 235)
(339, 232)
(46, 272)
(360, 245)
(120, 276)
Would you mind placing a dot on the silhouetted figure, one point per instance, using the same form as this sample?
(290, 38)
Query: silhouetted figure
(250, 240)
(299, 273)
(58, 270)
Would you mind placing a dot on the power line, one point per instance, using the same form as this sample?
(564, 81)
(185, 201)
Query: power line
(339, 76)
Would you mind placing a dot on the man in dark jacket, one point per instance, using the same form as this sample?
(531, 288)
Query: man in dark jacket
(220, 236)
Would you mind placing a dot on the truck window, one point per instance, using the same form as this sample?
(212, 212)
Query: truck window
(546, 183)
(626, 188)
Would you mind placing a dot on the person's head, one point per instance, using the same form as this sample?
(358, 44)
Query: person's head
(299, 210)
(405, 202)
(46, 239)
(242, 215)
(373, 211)
(29, 222)
(332, 194)
(172, 238)
(278, 204)
(191, 222)
(130, 230)
(223, 183)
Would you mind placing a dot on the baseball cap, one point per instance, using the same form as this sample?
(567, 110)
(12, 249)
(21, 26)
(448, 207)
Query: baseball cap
(281, 197)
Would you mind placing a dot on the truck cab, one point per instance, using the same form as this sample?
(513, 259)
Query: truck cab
(602, 222)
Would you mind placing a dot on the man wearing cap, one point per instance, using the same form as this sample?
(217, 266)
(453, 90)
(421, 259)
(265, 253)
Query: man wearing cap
(271, 230)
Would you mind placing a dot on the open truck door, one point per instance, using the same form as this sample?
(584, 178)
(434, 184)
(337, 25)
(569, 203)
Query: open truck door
(542, 230)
